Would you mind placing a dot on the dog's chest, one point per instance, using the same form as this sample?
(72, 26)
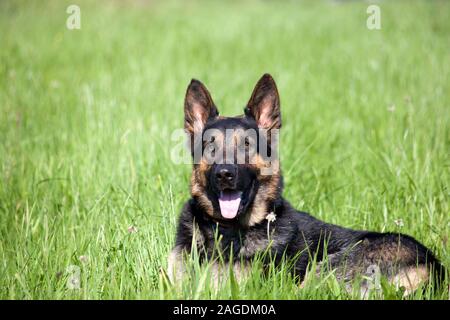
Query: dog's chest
(239, 243)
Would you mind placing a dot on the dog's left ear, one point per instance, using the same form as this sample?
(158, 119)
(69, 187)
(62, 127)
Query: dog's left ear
(264, 104)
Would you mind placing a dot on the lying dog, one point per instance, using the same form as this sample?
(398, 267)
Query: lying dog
(237, 203)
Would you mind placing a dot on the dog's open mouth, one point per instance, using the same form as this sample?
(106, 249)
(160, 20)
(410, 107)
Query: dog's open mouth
(229, 201)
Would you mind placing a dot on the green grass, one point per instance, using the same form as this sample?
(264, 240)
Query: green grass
(86, 118)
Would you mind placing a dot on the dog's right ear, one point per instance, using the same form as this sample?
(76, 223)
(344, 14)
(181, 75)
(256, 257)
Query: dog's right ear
(198, 107)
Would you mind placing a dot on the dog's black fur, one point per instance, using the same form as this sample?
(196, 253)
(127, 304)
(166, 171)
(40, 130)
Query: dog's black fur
(292, 234)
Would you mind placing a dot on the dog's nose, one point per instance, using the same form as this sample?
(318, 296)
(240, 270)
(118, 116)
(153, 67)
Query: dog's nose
(225, 173)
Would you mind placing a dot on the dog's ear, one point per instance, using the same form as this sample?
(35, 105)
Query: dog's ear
(198, 107)
(264, 104)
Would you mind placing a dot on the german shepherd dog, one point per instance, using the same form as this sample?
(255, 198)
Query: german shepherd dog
(238, 210)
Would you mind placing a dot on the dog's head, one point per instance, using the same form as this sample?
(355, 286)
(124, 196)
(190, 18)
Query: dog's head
(236, 175)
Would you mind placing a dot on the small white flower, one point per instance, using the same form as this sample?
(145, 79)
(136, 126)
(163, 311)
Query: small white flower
(399, 222)
(271, 217)
(83, 259)
(132, 229)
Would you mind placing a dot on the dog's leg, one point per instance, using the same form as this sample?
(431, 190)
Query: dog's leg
(220, 272)
(175, 268)
(410, 278)
(400, 259)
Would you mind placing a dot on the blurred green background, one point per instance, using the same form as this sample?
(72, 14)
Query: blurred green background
(86, 118)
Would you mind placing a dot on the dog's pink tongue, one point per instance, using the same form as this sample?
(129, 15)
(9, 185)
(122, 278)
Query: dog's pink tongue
(229, 203)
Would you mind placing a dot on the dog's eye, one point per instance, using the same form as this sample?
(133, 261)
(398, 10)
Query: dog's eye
(247, 142)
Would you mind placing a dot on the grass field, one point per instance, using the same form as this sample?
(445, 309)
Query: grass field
(86, 118)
